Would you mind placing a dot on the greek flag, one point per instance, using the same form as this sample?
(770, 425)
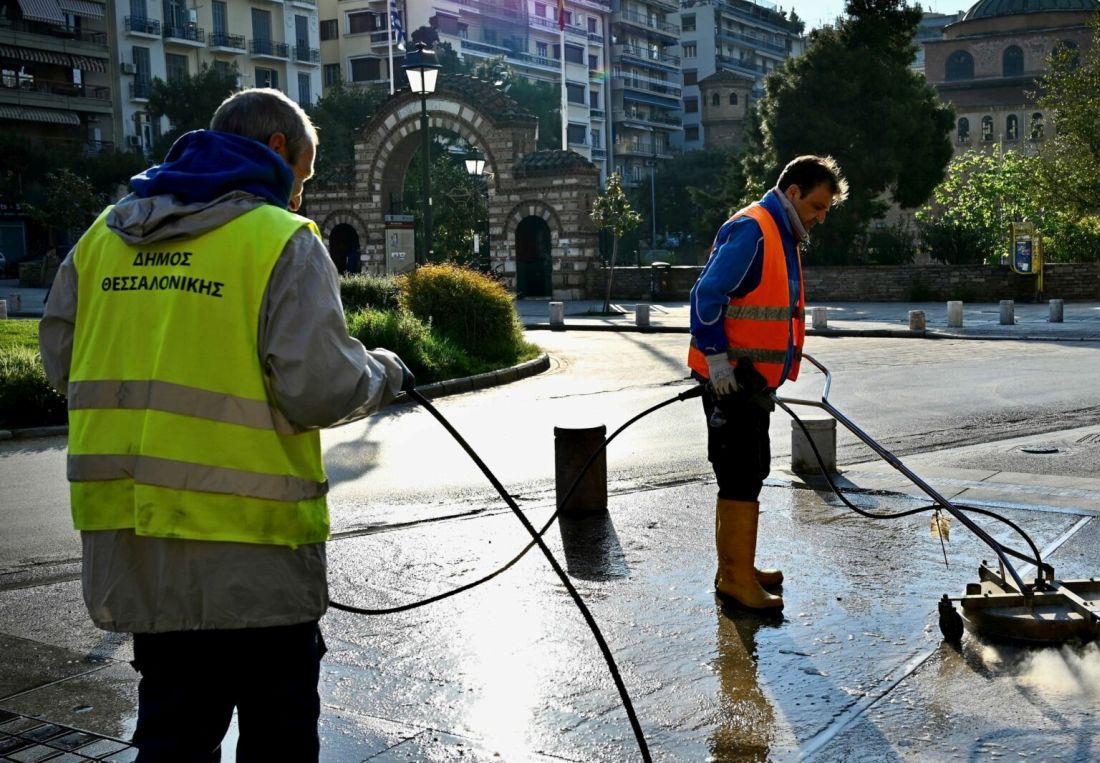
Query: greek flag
(395, 22)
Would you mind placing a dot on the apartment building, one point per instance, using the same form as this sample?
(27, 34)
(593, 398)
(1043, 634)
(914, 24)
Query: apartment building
(646, 86)
(736, 36)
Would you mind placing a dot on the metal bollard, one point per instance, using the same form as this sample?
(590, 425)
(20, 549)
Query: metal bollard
(954, 314)
(641, 316)
(823, 434)
(1056, 308)
(820, 317)
(1008, 312)
(3, 309)
(916, 320)
(572, 449)
(557, 315)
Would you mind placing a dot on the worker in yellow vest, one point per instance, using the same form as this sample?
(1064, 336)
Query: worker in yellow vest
(197, 331)
(747, 331)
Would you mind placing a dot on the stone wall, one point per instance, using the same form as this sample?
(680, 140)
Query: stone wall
(906, 283)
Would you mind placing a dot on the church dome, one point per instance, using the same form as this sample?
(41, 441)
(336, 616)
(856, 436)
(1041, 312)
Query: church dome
(985, 9)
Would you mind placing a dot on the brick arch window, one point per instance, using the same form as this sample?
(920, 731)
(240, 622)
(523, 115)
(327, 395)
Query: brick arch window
(987, 128)
(960, 65)
(1012, 61)
(964, 130)
(733, 98)
(715, 99)
(1037, 126)
(1012, 127)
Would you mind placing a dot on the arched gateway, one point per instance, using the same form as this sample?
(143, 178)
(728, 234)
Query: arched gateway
(557, 187)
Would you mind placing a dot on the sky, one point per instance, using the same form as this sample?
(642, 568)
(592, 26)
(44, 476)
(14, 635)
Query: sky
(818, 12)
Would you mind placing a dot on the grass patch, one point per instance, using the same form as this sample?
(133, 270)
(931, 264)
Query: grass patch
(19, 333)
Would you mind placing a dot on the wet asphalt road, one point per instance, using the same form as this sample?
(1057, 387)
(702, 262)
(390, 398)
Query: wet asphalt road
(855, 670)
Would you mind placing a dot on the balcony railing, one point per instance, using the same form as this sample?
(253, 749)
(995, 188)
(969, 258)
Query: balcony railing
(751, 40)
(648, 84)
(142, 25)
(648, 22)
(645, 54)
(56, 87)
(269, 48)
(21, 28)
(306, 55)
(641, 147)
(187, 32)
(223, 40)
(665, 120)
(141, 90)
(738, 65)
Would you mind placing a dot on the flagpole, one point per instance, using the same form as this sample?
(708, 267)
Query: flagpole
(389, 33)
(564, 96)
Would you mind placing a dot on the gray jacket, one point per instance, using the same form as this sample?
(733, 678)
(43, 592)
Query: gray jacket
(319, 375)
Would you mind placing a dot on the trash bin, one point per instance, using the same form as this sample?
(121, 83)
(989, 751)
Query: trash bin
(660, 281)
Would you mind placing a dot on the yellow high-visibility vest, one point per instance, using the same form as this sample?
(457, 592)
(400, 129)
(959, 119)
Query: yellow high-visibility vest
(172, 429)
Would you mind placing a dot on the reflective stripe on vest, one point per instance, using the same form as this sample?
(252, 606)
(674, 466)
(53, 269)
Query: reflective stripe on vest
(171, 429)
(762, 326)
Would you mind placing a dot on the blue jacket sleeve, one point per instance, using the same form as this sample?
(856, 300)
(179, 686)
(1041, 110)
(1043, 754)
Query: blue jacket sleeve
(737, 246)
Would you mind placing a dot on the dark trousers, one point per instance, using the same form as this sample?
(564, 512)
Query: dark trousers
(740, 448)
(192, 680)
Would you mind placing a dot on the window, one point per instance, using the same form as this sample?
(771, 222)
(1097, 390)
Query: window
(332, 75)
(540, 49)
(330, 29)
(361, 22)
(464, 31)
(540, 10)
(175, 67)
(574, 55)
(1037, 126)
(261, 26)
(715, 99)
(594, 99)
(691, 105)
(267, 78)
(1012, 61)
(960, 65)
(221, 19)
(596, 137)
(144, 70)
(1069, 49)
(687, 22)
(593, 63)
(691, 132)
(964, 130)
(301, 37)
(987, 128)
(366, 69)
(574, 93)
(578, 134)
(690, 50)
(593, 25)
(1012, 127)
(691, 77)
(305, 98)
(137, 9)
(733, 98)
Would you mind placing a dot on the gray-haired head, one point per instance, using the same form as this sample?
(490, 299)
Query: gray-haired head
(810, 171)
(259, 113)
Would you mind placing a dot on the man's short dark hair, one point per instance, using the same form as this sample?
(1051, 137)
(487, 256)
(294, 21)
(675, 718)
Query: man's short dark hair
(810, 171)
(259, 113)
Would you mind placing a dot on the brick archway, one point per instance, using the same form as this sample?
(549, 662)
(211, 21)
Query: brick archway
(559, 185)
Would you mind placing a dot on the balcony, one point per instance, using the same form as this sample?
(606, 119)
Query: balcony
(737, 65)
(188, 34)
(140, 90)
(139, 26)
(269, 49)
(656, 118)
(647, 56)
(306, 55)
(752, 41)
(647, 23)
(631, 81)
(227, 43)
(642, 147)
(304, 3)
(37, 92)
(65, 34)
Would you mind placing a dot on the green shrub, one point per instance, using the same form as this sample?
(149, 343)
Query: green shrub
(26, 398)
(469, 308)
(358, 291)
(430, 357)
(1073, 239)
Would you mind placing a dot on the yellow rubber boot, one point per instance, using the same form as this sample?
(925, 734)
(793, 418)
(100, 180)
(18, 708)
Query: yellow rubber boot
(735, 538)
(766, 578)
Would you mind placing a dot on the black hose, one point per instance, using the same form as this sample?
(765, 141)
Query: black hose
(1036, 558)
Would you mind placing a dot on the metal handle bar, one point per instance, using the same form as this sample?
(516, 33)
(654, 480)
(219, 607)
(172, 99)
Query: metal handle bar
(893, 460)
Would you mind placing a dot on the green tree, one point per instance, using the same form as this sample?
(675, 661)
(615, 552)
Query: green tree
(70, 205)
(459, 207)
(853, 95)
(338, 115)
(611, 211)
(190, 101)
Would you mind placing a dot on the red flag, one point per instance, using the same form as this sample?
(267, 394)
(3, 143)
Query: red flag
(561, 17)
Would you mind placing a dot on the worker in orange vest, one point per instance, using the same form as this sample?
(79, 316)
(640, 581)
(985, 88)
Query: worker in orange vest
(747, 331)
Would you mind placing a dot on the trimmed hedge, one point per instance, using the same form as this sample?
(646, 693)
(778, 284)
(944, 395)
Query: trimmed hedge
(26, 398)
(360, 291)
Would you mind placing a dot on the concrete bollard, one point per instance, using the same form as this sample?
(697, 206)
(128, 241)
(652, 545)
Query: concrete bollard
(641, 316)
(1056, 308)
(823, 434)
(572, 449)
(954, 314)
(557, 315)
(820, 317)
(3, 309)
(916, 320)
(1008, 312)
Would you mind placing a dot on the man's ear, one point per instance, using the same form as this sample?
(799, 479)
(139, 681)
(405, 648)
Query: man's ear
(793, 192)
(277, 143)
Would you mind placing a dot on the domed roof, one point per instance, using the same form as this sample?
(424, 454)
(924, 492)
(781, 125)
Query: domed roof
(988, 8)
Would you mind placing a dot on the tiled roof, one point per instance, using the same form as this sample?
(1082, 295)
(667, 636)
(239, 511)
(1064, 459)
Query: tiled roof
(490, 100)
(989, 8)
(551, 163)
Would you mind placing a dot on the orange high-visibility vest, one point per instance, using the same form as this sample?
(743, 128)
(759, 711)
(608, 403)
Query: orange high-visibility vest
(762, 325)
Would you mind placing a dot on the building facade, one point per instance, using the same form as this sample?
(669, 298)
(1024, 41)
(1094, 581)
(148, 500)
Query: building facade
(736, 36)
(988, 65)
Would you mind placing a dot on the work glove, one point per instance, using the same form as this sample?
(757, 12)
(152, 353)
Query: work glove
(722, 378)
(748, 378)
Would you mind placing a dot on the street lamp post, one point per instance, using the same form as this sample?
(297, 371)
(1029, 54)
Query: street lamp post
(475, 166)
(422, 70)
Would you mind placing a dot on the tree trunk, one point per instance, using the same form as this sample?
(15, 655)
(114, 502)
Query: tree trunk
(611, 274)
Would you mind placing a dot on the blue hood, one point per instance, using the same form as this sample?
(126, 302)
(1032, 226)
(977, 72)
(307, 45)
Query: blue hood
(203, 165)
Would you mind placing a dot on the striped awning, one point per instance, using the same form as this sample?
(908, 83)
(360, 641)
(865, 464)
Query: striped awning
(85, 8)
(46, 11)
(31, 114)
(37, 56)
